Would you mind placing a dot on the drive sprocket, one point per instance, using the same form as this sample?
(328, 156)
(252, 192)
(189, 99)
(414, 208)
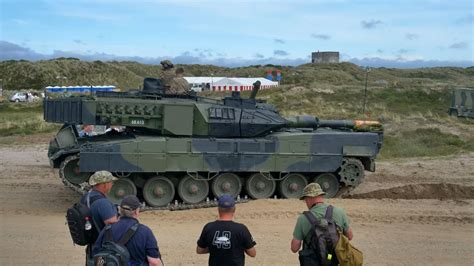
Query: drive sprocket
(351, 172)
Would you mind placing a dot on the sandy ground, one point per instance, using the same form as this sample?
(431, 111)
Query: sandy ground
(399, 230)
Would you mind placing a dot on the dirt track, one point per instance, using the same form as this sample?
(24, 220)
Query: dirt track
(400, 229)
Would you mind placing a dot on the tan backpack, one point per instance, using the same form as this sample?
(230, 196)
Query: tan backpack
(346, 253)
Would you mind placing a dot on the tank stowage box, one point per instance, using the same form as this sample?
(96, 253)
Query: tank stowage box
(189, 148)
(462, 103)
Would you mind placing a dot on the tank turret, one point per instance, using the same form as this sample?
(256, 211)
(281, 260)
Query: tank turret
(181, 115)
(189, 148)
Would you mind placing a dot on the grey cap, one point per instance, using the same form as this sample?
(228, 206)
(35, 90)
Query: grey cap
(100, 177)
(312, 190)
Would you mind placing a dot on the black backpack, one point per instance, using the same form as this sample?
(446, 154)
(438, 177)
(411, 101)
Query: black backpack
(114, 253)
(83, 229)
(323, 237)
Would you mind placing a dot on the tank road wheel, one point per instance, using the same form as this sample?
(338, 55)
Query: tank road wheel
(352, 172)
(191, 190)
(121, 188)
(328, 183)
(226, 183)
(69, 170)
(260, 187)
(158, 191)
(292, 186)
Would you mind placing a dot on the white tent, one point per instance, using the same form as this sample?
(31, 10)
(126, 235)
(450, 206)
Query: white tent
(228, 84)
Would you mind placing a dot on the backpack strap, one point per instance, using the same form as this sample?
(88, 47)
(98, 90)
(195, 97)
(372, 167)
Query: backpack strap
(108, 233)
(130, 232)
(329, 212)
(89, 201)
(311, 218)
(334, 237)
(313, 221)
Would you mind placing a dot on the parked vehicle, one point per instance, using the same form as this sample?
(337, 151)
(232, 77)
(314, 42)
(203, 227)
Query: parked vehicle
(462, 103)
(19, 97)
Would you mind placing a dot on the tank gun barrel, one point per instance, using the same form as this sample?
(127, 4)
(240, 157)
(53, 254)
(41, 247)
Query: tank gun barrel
(305, 121)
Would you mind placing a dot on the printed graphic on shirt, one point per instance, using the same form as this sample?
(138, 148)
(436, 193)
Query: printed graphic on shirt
(222, 241)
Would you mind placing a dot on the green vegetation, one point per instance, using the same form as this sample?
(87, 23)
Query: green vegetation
(23, 119)
(412, 103)
(424, 142)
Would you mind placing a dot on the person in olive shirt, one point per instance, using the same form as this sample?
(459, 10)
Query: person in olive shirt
(226, 241)
(313, 197)
(179, 85)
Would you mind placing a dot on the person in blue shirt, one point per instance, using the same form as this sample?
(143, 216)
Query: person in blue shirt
(86, 131)
(102, 209)
(142, 246)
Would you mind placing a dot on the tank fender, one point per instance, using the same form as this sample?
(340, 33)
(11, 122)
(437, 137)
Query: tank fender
(369, 164)
(358, 151)
(57, 158)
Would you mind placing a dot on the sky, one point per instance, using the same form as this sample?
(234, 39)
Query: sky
(403, 33)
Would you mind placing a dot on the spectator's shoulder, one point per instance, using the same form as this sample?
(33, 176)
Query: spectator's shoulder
(241, 225)
(144, 228)
(338, 210)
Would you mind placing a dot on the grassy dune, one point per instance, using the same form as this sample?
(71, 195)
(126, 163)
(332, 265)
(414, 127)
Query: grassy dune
(23, 119)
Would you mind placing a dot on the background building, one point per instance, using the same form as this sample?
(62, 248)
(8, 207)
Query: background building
(325, 57)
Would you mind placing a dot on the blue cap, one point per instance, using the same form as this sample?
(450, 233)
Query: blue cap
(226, 201)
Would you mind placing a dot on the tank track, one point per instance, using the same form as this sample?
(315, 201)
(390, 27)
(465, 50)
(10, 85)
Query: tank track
(176, 206)
(344, 191)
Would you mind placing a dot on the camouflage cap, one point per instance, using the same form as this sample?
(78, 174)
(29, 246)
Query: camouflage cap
(312, 190)
(100, 177)
(165, 63)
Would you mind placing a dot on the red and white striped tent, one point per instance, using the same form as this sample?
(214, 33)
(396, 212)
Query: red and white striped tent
(229, 84)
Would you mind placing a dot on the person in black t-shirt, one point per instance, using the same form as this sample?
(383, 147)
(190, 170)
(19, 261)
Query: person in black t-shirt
(225, 240)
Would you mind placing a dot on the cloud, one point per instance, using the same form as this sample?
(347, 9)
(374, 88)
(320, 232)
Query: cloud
(403, 63)
(469, 19)
(11, 51)
(79, 42)
(459, 45)
(403, 51)
(370, 24)
(204, 53)
(411, 36)
(321, 36)
(281, 41)
(19, 21)
(380, 51)
(280, 53)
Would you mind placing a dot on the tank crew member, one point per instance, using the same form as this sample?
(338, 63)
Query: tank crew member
(102, 209)
(168, 74)
(86, 131)
(313, 197)
(180, 85)
(142, 246)
(225, 240)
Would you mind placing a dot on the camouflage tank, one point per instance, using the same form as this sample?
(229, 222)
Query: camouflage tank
(187, 148)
